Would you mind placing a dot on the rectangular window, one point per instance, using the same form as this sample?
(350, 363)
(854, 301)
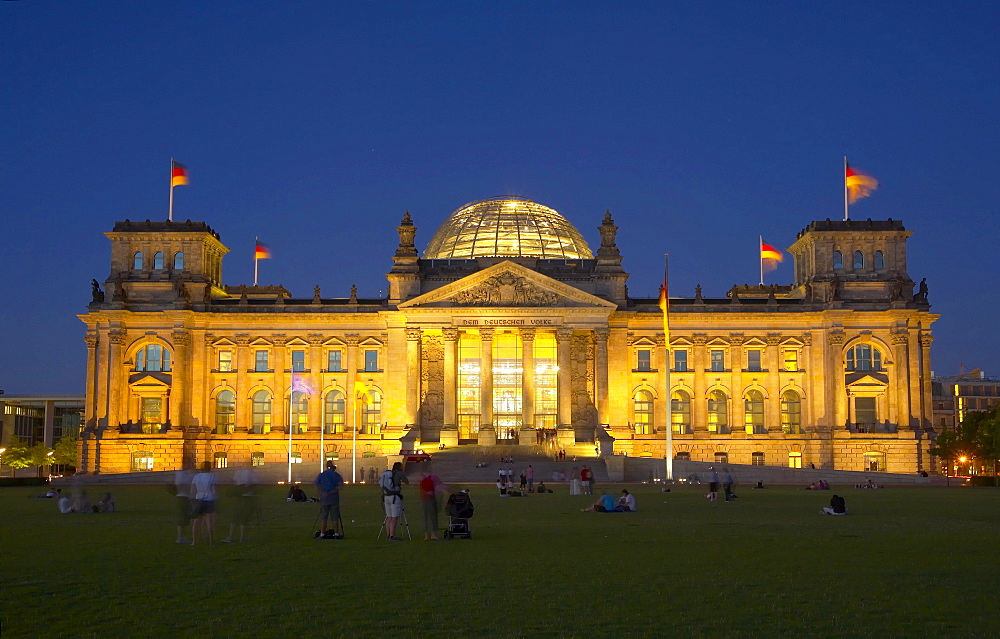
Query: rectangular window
(226, 361)
(643, 363)
(865, 411)
(371, 361)
(152, 414)
(296, 457)
(791, 357)
(298, 361)
(333, 361)
(257, 458)
(260, 361)
(753, 359)
(680, 361)
(757, 459)
(718, 360)
(795, 460)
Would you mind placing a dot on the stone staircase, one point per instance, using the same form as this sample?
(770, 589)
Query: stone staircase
(459, 465)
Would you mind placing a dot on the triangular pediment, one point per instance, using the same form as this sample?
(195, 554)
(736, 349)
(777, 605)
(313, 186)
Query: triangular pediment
(507, 284)
(148, 381)
(870, 380)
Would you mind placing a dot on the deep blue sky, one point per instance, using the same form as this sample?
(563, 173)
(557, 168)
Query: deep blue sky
(316, 124)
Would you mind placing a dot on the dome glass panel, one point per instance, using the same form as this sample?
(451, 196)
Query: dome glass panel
(507, 227)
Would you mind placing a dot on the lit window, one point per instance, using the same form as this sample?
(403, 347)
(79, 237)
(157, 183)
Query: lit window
(879, 261)
(261, 422)
(642, 409)
(158, 261)
(838, 260)
(334, 412)
(371, 361)
(142, 461)
(225, 361)
(371, 412)
(152, 414)
(221, 460)
(865, 414)
(260, 363)
(296, 457)
(791, 357)
(859, 260)
(757, 459)
(298, 361)
(680, 412)
(753, 360)
(718, 412)
(680, 361)
(300, 412)
(257, 458)
(152, 358)
(178, 261)
(334, 361)
(795, 460)
(225, 412)
(753, 413)
(864, 357)
(721, 458)
(718, 360)
(137, 261)
(875, 462)
(791, 413)
(643, 363)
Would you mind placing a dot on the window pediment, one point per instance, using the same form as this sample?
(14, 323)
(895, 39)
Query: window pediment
(644, 342)
(717, 341)
(867, 379)
(261, 342)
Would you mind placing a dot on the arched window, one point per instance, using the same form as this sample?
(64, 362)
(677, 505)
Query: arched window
(753, 413)
(152, 358)
(137, 261)
(879, 261)
(757, 458)
(680, 412)
(225, 412)
(859, 260)
(178, 261)
(300, 412)
(333, 412)
(158, 261)
(838, 260)
(864, 357)
(261, 422)
(718, 412)
(371, 412)
(791, 413)
(642, 411)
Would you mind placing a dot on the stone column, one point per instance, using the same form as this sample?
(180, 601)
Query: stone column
(834, 376)
(50, 423)
(699, 402)
(601, 336)
(528, 377)
(90, 405)
(244, 404)
(927, 403)
(314, 363)
(413, 336)
(737, 412)
(351, 400)
(178, 378)
(486, 377)
(663, 393)
(117, 377)
(772, 363)
(279, 421)
(565, 380)
(450, 369)
(815, 391)
(900, 384)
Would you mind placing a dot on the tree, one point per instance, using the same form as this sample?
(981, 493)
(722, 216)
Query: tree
(18, 454)
(65, 452)
(977, 437)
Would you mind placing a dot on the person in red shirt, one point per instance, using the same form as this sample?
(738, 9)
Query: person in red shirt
(430, 486)
(587, 479)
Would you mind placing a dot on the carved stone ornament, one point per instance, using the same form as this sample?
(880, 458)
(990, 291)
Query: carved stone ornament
(900, 336)
(91, 340)
(506, 289)
(926, 339)
(835, 338)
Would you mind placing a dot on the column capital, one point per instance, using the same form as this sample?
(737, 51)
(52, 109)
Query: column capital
(413, 334)
(450, 334)
(835, 338)
(315, 339)
(926, 339)
(564, 334)
(181, 338)
(602, 334)
(699, 339)
(486, 334)
(773, 339)
(242, 339)
(527, 335)
(352, 339)
(91, 340)
(117, 336)
(807, 339)
(736, 339)
(900, 336)
(279, 339)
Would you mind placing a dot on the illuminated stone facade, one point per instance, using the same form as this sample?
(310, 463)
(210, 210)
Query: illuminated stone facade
(832, 370)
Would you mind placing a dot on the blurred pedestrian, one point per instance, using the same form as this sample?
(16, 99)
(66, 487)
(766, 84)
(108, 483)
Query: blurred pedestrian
(203, 513)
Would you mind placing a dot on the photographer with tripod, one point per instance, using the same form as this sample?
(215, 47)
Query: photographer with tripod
(328, 484)
(391, 482)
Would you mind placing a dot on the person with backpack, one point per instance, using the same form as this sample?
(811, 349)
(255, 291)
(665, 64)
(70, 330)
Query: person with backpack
(391, 482)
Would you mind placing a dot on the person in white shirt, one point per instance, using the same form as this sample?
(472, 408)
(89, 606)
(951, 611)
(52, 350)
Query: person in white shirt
(626, 503)
(203, 487)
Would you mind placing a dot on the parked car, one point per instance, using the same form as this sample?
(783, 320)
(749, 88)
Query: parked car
(417, 455)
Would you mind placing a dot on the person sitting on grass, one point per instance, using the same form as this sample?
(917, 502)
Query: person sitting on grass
(837, 506)
(626, 503)
(604, 504)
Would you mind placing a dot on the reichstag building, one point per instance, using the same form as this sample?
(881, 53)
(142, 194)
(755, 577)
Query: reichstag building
(508, 329)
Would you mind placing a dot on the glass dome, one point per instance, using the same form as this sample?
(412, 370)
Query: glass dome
(507, 227)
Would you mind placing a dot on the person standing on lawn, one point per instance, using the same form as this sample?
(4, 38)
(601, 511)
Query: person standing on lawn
(530, 475)
(328, 484)
(587, 479)
(727, 484)
(430, 486)
(391, 483)
(203, 487)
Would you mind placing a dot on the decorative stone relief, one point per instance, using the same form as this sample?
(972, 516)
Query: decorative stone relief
(91, 340)
(926, 339)
(835, 337)
(506, 289)
(432, 382)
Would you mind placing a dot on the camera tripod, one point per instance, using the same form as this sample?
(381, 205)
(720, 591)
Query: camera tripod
(406, 523)
(317, 525)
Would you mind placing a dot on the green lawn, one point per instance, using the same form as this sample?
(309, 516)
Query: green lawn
(905, 562)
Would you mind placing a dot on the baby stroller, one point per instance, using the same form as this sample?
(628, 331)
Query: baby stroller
(459, 510)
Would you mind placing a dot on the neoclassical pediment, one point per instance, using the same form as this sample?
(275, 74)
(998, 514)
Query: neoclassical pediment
(507, 284)
(856, 380)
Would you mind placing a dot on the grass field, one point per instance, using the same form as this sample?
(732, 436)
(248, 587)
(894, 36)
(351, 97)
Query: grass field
(905, 562)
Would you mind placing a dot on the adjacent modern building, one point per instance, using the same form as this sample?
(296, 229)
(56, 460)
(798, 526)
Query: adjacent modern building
(958, 395)
(508, 328)
(40, 418)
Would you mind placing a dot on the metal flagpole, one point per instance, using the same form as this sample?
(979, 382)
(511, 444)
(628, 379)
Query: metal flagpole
(170, 211)
(354, 442)
(845, 188)
(256, 242)
(322, 450)
(760, 253)
(667, 365)
(290, 403)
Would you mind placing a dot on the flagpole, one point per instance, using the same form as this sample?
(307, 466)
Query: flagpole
(760, 253)
(255, 243)
(291, 401)
(666, 337)
(354, 441)
(322, 450)
(845, 188)
(170, 211)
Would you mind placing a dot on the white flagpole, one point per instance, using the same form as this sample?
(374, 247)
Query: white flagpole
(291, 402)
(760, 253)
(845, 188)
(255, 243)
(170, 211)
(322, 450)
(667, 365)
(354, 443)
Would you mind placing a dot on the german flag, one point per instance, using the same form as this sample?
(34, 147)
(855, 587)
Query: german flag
(261, 252)
(859, 184)
(178, 174)
(768, 252)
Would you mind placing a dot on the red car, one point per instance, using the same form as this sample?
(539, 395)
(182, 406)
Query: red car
(415, 455)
